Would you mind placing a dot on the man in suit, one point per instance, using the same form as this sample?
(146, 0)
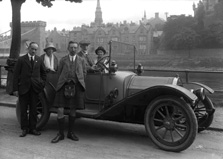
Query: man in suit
(29, 80)
(71, 72)
(84, 54)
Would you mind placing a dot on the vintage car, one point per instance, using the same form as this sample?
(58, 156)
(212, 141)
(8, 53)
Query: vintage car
(172, 115)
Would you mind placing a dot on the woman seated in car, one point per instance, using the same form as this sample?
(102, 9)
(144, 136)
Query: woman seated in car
(101, 62)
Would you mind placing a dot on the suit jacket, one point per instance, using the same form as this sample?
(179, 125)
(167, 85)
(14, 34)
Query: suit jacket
(25, 76)
(55, 61)
(64, 68)
(88, 61)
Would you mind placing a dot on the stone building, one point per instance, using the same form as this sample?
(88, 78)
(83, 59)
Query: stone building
(99, 34)
(60, 39)
(30, 31)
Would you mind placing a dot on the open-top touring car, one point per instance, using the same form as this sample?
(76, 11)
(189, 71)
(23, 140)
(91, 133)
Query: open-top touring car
(172, 115)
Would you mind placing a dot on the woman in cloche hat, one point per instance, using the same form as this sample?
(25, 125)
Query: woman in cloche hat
(50, 60)
(100, 51)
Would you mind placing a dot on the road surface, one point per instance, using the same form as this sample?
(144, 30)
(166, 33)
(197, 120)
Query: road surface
(98, 140)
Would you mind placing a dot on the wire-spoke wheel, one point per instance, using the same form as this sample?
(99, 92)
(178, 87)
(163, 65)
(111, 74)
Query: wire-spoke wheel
(170, 123)
(43, 113)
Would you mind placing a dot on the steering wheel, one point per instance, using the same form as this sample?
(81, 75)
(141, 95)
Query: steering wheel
(102, 65)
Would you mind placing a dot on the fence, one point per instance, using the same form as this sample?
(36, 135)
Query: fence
(213, 79)
(3, 76)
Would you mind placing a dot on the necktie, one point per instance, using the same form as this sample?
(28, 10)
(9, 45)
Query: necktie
(32, 62)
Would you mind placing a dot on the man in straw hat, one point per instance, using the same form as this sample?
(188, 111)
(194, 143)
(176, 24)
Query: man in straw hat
(49, 59)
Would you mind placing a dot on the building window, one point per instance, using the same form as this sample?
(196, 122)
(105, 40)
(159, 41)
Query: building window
(142, 47)
(100, 40)
(142, 31)
(114, 39)
(126, 38)
(142, 38)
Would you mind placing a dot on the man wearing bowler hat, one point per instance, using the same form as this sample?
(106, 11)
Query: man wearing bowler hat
(84, 54)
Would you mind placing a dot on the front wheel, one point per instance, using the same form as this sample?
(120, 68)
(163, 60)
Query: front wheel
(43, 113)
(170, 123)
(204, 111)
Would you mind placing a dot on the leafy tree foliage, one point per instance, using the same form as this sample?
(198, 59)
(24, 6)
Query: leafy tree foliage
(16, 20)
(174, 26)
(16, 35)
(212, 37)
(186, 38)
(219, 10)
(200, 14)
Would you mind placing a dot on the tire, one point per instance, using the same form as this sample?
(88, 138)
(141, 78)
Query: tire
(205, 113)
(170, 123)
(43, 113)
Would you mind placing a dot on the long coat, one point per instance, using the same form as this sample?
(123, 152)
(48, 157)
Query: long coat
(25, 76)
(64, 68)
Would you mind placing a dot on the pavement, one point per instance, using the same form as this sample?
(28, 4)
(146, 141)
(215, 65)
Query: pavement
(217, 124)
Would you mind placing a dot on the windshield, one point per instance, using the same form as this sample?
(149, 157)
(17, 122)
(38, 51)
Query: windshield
(123, 54)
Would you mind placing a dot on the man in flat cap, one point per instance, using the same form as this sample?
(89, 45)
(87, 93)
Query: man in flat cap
(84, 54)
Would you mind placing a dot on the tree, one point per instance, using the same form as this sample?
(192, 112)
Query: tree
(185, 39)
(16, 35)
(218, 10)
(200, 14)
(173, 26)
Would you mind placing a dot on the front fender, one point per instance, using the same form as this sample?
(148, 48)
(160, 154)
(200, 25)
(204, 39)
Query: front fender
(159, 90)
(142, 99)
(210, 90)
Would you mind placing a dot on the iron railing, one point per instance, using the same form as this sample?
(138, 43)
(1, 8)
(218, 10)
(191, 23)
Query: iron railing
(186, 76)
(3, 76)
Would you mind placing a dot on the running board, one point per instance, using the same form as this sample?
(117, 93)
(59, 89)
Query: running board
(87, 113)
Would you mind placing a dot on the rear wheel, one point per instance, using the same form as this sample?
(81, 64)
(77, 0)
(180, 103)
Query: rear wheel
(43, 113)
(170, 123)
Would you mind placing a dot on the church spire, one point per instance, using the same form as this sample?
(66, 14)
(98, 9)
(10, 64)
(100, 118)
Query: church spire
(98, 14)
(144, 14)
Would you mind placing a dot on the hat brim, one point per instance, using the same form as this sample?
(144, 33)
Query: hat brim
(96, 51)
(54, 49)
(84, 43)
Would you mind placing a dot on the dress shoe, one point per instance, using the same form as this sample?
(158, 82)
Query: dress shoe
(35, 132)
(72, 136)
(24, 133)
(57, 138)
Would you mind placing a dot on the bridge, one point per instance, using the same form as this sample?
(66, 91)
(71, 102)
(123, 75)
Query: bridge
(30, 31)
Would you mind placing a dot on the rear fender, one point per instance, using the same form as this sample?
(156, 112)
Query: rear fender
(210, 90)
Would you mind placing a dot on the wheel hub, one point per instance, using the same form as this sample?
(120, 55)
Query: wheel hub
(168, 123)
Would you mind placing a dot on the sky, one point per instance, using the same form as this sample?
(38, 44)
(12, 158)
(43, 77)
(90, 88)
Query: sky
(66, 15)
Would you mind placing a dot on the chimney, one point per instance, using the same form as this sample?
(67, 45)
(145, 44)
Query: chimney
(156, 15)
